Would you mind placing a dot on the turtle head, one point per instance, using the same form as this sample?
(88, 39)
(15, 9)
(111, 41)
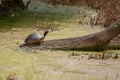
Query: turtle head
(46, 32)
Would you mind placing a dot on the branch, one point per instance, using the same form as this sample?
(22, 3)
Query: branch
(27, 4)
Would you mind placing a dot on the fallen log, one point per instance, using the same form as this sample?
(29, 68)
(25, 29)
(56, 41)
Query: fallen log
(115, 43)
(97, 41)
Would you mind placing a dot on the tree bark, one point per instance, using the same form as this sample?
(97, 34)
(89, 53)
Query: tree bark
(11, 4)
(97, 41)
(0, 2)
(7, 5)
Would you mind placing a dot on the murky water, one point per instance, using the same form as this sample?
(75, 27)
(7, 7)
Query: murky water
(33, 64)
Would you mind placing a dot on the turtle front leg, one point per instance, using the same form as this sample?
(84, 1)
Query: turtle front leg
(39, 43)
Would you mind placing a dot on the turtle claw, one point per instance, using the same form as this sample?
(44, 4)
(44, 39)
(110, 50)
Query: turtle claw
(40, 43)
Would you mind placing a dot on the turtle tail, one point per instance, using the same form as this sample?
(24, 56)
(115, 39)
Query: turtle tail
(46, 32)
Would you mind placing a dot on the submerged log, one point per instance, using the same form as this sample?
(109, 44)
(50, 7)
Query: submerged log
(96, 41)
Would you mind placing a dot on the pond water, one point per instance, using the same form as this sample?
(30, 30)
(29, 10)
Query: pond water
(52, 65)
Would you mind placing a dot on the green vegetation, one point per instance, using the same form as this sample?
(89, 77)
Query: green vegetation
(42, 13)
(49, 65)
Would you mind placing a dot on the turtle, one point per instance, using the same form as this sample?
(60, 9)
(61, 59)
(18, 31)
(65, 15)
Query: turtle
(35, 38)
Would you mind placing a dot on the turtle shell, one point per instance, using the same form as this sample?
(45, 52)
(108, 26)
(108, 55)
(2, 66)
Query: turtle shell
(34, 38)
